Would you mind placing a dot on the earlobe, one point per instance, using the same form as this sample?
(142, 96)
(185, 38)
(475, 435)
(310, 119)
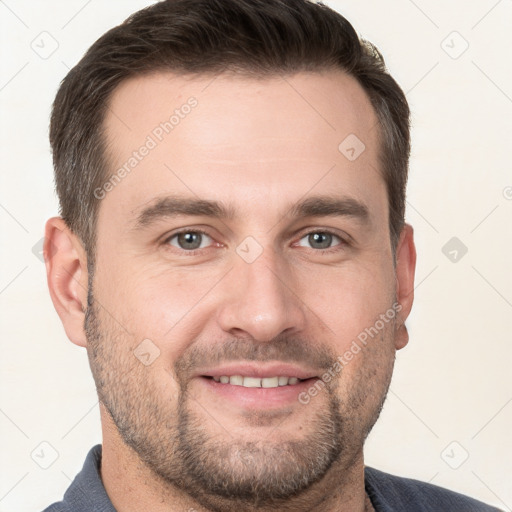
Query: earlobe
(66, 270)
(405, 268)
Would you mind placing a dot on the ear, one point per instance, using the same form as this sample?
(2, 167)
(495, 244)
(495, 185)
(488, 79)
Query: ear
(66, 270)
(405, 267)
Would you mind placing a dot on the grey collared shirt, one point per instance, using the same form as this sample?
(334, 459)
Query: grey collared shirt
(388, 493)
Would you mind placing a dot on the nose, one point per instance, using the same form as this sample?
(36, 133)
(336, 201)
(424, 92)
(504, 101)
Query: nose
(260, 301)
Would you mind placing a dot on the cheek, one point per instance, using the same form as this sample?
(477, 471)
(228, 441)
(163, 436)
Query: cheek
(366, 374)
(166, 305)
(351, 300)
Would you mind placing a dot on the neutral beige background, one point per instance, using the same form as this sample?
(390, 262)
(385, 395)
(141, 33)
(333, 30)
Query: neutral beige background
(451, 396)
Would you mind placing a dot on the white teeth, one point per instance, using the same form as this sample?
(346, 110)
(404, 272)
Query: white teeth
(252, 382)
(236, 380)
(256, 382)
(270, 382)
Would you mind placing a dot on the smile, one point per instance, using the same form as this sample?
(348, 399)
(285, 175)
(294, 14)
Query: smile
(257, 382)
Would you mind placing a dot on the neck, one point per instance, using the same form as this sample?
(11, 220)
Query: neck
(133, 487)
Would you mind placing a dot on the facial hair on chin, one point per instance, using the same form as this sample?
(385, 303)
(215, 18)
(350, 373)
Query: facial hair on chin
(170, 438)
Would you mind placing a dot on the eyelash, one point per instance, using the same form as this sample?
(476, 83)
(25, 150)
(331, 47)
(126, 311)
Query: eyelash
(343, 242)
(194, 252)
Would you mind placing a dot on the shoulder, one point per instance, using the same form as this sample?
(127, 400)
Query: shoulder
(57, 507)
(86, 493)
(391, 493)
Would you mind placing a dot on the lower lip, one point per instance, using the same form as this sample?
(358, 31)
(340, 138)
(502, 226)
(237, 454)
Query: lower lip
(259, 398)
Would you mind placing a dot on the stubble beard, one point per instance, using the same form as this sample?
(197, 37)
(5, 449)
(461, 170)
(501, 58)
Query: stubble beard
(222, 475)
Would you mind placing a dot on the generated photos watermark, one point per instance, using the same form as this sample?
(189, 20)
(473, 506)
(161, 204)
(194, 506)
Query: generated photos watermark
(156, 136)
(355, 347)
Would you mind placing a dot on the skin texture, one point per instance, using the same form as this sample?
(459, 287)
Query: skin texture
(171, 439)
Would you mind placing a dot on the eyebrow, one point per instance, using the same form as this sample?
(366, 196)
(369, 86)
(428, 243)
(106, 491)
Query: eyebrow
(327, 206)
(316, 206)
(171, 206)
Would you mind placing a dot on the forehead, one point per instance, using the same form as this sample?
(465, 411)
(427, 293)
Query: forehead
(239, 139)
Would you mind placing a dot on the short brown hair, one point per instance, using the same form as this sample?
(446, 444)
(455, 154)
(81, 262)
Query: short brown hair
(255, 37)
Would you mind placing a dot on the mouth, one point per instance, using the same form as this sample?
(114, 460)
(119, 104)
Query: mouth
(253, 386)
(257, 382)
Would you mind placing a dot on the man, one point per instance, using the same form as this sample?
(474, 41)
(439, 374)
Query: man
(233, 255)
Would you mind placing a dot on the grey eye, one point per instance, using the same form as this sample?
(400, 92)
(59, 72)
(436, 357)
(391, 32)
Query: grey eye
(190, 240)
(319, 240)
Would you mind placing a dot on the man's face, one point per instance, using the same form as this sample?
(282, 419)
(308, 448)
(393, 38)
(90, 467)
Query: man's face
(244, 243)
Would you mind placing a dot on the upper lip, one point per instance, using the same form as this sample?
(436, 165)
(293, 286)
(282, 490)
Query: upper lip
(252, 369)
